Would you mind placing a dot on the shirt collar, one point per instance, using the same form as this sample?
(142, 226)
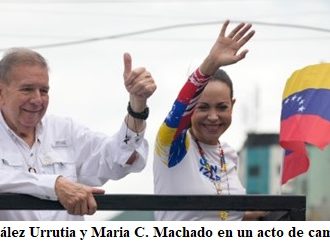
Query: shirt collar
(5, 126)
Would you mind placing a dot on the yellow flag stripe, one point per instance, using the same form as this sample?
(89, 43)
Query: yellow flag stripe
(314, 76)
(165, 135)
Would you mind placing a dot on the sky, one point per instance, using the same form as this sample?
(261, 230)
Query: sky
(84, 41)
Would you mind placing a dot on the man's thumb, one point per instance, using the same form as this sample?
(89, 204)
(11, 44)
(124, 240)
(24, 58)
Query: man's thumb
(127, 65)
(97, 190)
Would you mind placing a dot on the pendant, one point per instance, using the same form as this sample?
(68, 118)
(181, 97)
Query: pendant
(217, 186)
(223, 215)
(32, 170)
(224, 168)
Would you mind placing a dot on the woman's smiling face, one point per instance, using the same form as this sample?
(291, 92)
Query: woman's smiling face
(213, 112)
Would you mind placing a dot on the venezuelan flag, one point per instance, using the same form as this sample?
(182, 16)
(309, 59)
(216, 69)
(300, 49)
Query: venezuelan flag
(305, 117)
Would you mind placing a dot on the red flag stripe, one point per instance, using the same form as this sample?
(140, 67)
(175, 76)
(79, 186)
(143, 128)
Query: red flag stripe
(309, 128)
(294, 164)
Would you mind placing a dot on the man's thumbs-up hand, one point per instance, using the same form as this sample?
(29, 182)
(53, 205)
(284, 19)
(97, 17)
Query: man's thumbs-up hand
(139, 84)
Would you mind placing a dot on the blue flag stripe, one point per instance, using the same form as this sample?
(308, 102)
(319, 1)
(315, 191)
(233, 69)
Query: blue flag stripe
(309, 101)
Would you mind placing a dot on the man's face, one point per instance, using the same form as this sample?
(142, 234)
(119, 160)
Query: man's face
(24, 100)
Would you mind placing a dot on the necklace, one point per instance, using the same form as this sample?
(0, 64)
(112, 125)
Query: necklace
(20, 148)
(211, 172)
(17, 143)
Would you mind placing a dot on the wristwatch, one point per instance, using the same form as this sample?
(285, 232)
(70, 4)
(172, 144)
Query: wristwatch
(139, 115)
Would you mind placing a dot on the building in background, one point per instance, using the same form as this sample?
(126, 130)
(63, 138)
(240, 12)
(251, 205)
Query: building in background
(261, 158)
(260, 164)
(315, 184)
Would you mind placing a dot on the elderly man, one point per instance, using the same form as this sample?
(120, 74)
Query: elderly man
(54, 158)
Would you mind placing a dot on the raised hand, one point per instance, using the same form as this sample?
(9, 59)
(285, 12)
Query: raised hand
(226, 49)
(139, 83)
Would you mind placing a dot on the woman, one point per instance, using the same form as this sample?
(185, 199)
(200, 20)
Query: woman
(189, 158)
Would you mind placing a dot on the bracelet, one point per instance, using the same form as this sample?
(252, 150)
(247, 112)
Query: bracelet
(142, 115)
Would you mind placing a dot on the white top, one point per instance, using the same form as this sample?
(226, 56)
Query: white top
(189, 177)
(64, 148)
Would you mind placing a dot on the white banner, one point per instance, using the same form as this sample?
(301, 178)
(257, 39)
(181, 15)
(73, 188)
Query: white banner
(165, 231)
